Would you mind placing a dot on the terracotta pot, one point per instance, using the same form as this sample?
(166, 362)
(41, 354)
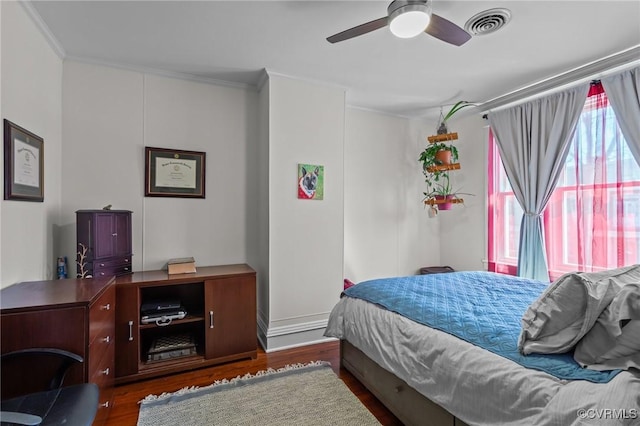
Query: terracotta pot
(444, 157)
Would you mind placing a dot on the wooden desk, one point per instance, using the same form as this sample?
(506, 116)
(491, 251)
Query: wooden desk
(75, 315)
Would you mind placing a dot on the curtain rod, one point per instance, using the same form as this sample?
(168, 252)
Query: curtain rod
(617, 62)
(592, 82)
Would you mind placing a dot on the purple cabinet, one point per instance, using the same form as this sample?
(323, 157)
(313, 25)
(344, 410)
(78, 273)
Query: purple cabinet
(106, 234)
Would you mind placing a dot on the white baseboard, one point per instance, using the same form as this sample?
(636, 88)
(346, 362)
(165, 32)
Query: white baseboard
(291, 336)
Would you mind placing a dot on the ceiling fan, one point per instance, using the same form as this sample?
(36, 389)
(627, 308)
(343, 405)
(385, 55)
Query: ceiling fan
(406, 19)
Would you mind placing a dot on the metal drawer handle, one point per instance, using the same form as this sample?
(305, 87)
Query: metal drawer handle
(126, 260)
(105, 371)
(131, 331)
(126, 268)
(115, 234)
(102, 274)
(106, 339)
(105, 405)
(102, 264)
(106, 307)
(210, 319)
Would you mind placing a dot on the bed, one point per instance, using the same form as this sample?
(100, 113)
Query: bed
(473, 373)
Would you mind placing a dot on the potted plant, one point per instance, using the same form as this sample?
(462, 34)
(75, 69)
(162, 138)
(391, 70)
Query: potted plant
(440, 194)
(437, 154)
(442, 127)
(439, 188)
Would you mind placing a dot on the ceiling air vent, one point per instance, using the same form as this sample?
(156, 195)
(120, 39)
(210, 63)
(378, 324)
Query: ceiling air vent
(487, 21)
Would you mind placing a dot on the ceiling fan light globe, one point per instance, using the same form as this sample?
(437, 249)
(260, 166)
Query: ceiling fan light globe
(409, 21)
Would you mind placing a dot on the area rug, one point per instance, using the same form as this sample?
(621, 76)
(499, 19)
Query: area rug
(300, 394)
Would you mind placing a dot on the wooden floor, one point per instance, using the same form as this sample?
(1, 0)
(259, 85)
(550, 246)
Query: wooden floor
(125, 407)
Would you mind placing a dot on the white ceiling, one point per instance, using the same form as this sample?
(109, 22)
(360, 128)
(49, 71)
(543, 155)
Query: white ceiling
(233, 41)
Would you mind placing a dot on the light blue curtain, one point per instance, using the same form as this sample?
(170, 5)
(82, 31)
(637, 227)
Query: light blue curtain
(623, 91)
(533, 140)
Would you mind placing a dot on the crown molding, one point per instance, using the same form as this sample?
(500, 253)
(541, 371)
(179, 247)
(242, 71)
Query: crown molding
(270, 72)
(262, 80)
(590, 71)
(384, 112)
(44, 29)
(162, 73)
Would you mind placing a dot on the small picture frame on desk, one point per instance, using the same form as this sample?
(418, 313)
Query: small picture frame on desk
(23, 164)
(174, 173)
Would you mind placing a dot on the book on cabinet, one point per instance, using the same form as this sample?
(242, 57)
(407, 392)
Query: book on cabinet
(183, 265)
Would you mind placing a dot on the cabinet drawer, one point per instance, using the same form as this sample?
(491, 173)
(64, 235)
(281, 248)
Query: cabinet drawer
(98, 350)
(406, 403)
(104, 405)
(102, 316)
(112, 262)
(103, 376)
(101, 365)
(102, 373)
(117, 266)
(107, 271)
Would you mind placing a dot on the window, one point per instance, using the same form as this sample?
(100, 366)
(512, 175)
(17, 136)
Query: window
(592, 221)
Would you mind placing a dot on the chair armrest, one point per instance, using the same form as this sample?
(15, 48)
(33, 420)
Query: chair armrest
(19, 418)
(67, 360)
(44, 351)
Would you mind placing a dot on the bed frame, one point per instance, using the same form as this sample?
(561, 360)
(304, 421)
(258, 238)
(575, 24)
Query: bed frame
(408, 405)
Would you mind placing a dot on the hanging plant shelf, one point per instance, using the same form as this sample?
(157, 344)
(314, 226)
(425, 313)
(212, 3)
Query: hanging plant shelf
(432, 201)
(443, 138)
(443, 167)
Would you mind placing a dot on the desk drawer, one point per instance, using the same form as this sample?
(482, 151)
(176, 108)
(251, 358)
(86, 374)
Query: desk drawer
(102, 317)
(104, 378)
(101, 365)
(105, 400)
(101, 362)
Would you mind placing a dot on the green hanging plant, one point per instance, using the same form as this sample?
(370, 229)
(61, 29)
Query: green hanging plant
(457, 107)
(428, 156)
(442, 127)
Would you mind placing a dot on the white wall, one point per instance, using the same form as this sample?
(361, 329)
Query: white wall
(102, 127)
(306, 125)
(259, 255)
(463, 229)
(110, 115)
(387, 229)
(31, 82)
(220, 121)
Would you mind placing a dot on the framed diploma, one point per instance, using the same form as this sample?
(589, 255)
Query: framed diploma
(23, 164)
(174, 173)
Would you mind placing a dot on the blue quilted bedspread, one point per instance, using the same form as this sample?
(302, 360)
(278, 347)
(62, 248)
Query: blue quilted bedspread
(482, 308)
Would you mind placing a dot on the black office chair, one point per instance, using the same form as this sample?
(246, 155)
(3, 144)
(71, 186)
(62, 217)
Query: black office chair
(72, 405)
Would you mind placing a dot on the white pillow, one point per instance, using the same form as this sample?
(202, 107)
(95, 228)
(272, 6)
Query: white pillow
(614, 340)
(569, 307)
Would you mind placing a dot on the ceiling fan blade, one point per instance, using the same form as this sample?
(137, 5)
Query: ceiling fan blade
(359, 30)
(447, 31)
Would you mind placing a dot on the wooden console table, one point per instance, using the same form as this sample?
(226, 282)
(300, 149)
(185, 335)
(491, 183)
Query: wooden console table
(220, 302)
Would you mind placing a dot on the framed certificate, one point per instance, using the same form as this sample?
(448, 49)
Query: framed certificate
(23, 164)
(174, 173)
